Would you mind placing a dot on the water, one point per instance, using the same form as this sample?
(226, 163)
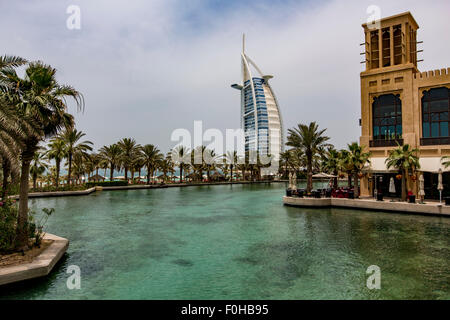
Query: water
(237, 242)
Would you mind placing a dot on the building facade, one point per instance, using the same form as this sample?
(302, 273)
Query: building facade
(260, 113)
(401, 105)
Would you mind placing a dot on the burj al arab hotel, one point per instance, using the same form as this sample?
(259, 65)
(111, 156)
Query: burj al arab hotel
(260, 112)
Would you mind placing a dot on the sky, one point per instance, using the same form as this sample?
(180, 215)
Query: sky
(146, 68)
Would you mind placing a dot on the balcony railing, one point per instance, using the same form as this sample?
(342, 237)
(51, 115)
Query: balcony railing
(434, 141)
(385, 143)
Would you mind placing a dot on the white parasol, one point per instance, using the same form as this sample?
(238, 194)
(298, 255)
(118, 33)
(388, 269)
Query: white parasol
(391, 185)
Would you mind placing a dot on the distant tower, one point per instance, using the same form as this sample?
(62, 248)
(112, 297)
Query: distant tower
(260, 113)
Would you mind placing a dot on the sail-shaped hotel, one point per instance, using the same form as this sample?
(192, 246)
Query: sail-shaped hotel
(260, 113)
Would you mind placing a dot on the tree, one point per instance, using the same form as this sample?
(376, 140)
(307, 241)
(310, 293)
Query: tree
(445, 160)
(331, 164)
(39, 97)
(129, 149)
(166, 166)
(209, 158)
(38, 166)
(151, 157)
(14, 127)
(357, 159)
(403, 158)
(111, 154)
(232, 159)
(180, 157)
(57, 151)
(309, 139)
(71, 138)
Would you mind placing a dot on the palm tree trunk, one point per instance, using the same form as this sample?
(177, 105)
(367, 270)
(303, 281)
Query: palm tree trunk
(6, 173)
(356, 180)
(22, 219)
(403, 185)
(309, 184)
(349, 179)
(231, 177)
(181, 173)
(126, 174)
(148, 175)
(335, 180)
(70, 169)
(34, 181)
(111, 173)
(58, 164)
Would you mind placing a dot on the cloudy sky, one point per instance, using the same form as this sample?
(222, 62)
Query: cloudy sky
(149, 67)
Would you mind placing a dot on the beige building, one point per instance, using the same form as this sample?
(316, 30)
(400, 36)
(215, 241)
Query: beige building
(400, 104)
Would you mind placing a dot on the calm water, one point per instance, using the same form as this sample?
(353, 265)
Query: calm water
(237, 242)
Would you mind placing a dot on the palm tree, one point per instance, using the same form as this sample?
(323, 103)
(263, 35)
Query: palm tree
(357, 159)
(14, 128)
(309, 139)
(71, 138)
(403, 158)
(232, 159)
(346, 165)
(38, 165)
(210, 159)
(445, 160)
(180, 157)
(151, 156)
(129, 149)
(57, 151)
(111, 154)
(166, 165)
(331, 164)
(39, 97)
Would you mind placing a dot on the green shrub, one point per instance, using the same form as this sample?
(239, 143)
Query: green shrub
(107, 184)
(8, 220)
(8, 224)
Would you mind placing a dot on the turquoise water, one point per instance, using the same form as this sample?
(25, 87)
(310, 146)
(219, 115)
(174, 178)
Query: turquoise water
(237, 242)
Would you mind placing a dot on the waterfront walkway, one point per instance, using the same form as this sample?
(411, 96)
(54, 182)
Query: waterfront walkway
(428, 208)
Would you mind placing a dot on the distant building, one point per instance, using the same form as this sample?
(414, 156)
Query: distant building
(401, 105)
(260, 113)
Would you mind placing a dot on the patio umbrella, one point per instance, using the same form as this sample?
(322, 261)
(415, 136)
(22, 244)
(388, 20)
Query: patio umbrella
(440, 186)
(421, 186)
(294, 180)
(391, 185)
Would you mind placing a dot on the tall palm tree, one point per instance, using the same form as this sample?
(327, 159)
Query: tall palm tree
(39, 97)
(309, 139)
(180, 157)
(14, 128)
(210, 159)
(129, 149)
(166, 166)
(357, 159)
(403, 158)
(345, 165)
(38, 165)
(232, 159)
(151, 156)
(57, 151)
(111, 154)
(331, 164)
(71, 138)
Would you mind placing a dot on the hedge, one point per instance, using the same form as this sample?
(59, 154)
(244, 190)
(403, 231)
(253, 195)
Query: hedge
(107, 184)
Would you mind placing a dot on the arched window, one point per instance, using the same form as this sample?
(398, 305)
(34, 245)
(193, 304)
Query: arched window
(435, 114)
(387, 119)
